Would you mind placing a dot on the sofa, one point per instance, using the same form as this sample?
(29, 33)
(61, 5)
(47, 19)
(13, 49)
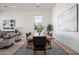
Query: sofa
(8, 39)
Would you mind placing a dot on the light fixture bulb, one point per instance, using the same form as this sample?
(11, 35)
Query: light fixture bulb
(14, 6)
(37, 4)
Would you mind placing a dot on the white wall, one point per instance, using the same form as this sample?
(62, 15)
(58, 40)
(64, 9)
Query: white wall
(24, 17)
(71, 39)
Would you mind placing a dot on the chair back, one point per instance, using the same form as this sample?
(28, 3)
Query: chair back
(27, 34)
(51, 34)
(39, 40)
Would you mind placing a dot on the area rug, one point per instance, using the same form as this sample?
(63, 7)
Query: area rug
(56, 50)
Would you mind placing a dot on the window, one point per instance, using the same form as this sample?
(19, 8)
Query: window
(38, 22)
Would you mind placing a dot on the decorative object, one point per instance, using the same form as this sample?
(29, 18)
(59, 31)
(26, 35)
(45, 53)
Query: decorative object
(68, 20)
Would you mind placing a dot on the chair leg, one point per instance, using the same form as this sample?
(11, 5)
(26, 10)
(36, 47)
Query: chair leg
(27, 45)
(50, 46)
(34, 52)
(44, 52)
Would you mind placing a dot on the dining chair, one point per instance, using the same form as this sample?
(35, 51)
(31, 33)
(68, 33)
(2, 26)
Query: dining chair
(29, 41)
(49, 41)
(39, 43)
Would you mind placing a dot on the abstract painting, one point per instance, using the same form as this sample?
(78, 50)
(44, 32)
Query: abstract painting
(68, 20)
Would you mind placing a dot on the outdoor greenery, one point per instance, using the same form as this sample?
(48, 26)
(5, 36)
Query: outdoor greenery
(38, 27)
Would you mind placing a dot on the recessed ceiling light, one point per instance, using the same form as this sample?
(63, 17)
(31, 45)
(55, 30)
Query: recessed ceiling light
(14, 6)
(5, 6)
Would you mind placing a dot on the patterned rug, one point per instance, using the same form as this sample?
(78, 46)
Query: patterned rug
(56, 50)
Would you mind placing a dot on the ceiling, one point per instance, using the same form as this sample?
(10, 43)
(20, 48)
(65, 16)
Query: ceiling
(8, 6)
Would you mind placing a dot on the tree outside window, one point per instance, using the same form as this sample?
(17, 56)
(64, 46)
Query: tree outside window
(38, 23)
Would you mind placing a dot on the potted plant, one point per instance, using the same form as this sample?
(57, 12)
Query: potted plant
(49, 28)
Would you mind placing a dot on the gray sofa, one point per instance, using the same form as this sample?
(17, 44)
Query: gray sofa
(7, 40)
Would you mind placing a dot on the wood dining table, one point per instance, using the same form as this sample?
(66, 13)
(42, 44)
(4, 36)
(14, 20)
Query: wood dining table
(43, 34)
(49, 38)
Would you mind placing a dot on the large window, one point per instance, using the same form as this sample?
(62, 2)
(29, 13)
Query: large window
(38, 22)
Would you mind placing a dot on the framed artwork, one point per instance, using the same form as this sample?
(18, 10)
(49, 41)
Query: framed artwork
(68, 20)
(8, 24)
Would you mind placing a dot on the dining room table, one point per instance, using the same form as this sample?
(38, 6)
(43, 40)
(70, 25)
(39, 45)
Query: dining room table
(41, 34)
(49, 37)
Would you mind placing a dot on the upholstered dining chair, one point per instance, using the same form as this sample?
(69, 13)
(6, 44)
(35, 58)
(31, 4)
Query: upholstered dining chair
(39, 43)
(49, 41)
(29, 41)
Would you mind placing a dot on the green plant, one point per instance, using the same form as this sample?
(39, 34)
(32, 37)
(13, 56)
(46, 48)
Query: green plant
(49, 28)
